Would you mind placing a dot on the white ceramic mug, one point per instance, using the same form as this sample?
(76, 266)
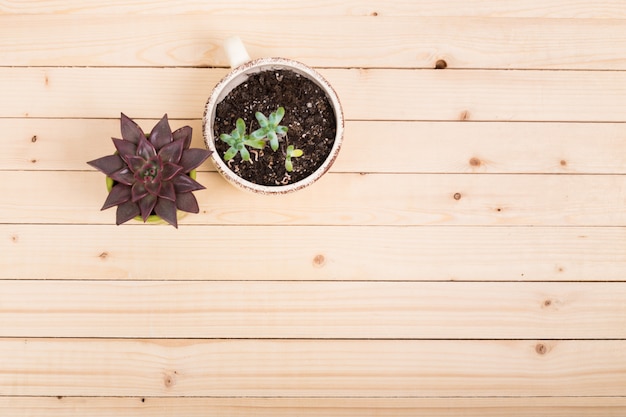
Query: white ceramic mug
(242, 67)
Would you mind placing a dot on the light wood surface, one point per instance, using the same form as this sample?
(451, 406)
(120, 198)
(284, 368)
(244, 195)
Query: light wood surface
(297, 309)
(366, 94)
(466, 254)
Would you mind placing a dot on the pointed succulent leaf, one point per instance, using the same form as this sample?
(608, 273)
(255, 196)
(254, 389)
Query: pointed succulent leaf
(138, 192)
(167, 191)
(273, 140)
(172, 151)
(136, 163)
(120, 193)
(130, 130)
(145, 149)
(185, 134)
(124, 176)
(107, 164)
(153, 187)
(241, 127)
(125, 148)
(166, 209)
(282, 130)
(161, 134)
(185, 184)
(260, 117)
(146, 205)
(126, 211)
(187, 202)
(170, 171)
(193, 158)
(230, 154)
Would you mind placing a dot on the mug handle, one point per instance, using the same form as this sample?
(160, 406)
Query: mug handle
(235, 51)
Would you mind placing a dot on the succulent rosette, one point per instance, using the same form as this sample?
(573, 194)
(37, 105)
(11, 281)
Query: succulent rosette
(151, 172)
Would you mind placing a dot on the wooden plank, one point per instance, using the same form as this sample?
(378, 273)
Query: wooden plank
(389, 42)
(441, 147)
(337, 368)
(313, 253)
(472, 95)
(344, 199)
(313, 407)
(345, 310)
(502, 8)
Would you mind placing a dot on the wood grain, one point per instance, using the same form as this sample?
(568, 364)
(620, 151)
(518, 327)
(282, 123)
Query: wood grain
(356, 368)
(193, 40)
(345, 199)
(610, 9)
(472, 95)
(344, 310)
(439, 147)
(314, 253)
(313, 407)
(471, 262)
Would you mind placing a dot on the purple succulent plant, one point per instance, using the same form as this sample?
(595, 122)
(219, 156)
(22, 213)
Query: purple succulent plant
(151, 173)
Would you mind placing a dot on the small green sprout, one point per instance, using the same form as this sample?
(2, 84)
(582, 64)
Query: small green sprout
(291, 153)
(238, 140)
(270, 127)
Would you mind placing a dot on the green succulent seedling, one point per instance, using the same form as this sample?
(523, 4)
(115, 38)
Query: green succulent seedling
(238, 140)
(270, 127)
(291, 153)
(270, 131)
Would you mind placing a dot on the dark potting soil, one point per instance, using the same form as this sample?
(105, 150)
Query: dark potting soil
(309, 117)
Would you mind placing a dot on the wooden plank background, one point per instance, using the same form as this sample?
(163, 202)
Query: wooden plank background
(473, 266)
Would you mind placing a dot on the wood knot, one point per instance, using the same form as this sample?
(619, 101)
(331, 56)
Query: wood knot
(541, 349)
(169, 380)
(563, 162)
(547, 303)
(457, 196)
(319, 261)
(103, 255)
(15, 238)
(441, 64)
(475, 162)
(33, 139)
(465, 115)
(374, 14)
